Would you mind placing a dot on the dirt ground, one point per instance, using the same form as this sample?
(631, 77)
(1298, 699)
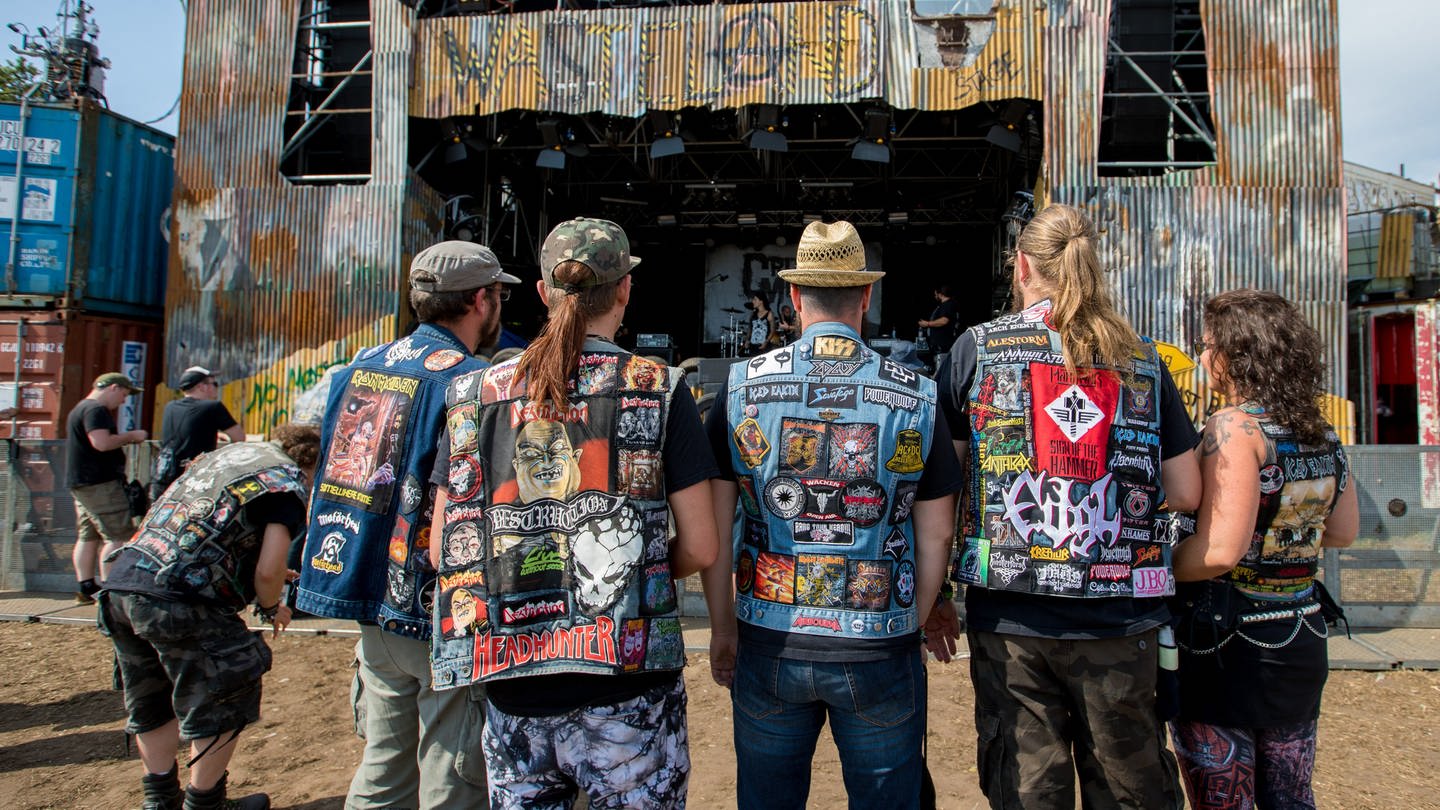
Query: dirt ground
(61, 745)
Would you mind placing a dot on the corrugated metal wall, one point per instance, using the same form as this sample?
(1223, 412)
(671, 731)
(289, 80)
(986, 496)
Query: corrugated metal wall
(270, 283)
(1270, 214)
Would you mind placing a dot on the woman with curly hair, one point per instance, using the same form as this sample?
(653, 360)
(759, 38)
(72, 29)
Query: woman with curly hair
(1251, 632)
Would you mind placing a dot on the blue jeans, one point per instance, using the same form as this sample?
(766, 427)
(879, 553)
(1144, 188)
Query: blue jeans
(877, 717)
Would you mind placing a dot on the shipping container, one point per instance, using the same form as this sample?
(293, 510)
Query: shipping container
(49, 358)
(92, 193)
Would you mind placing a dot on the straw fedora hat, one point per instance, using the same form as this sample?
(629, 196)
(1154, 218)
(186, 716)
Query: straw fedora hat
(830, 255)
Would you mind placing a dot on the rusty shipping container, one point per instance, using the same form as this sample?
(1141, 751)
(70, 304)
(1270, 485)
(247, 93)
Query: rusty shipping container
(84, 194)
(49, 359)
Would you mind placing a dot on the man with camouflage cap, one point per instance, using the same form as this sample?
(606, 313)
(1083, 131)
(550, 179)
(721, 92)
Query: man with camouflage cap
(365, 553)
(566, 465)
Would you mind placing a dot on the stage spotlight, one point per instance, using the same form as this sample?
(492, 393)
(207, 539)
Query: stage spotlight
(765, 135)
(874, 144)
(667, 141)
(463, 218)
(872, 152)
(559, 140)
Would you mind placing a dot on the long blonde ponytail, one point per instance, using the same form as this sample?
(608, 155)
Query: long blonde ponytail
(1061, 245)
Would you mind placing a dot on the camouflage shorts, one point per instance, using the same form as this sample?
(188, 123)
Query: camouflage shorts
(1047, 710)
(631, 755)
(192, 661)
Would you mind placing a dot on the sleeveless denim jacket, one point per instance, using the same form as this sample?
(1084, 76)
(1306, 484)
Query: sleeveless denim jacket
(556, 551)
(829, 440)
(366, 551)
(1065, 479)
(1299, 488)
(195, 540)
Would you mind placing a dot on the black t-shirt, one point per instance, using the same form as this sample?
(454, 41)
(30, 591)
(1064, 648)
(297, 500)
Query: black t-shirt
(126, 573)
(942, 337)
(1024, 614)
(687, 462)
(189, 426)
(84, 465)
(943, 475)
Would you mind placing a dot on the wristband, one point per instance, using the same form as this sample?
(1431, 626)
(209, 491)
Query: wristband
(265, 614)
(947, 591)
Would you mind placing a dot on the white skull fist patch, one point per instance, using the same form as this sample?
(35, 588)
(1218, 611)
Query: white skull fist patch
(605, 553)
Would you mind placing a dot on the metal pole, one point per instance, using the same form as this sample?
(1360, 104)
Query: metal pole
(10, 281)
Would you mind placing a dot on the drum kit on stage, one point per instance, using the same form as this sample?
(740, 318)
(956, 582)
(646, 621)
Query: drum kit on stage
(735, 338)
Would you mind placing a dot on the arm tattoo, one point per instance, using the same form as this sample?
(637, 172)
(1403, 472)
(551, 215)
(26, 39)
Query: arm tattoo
(1216, 435)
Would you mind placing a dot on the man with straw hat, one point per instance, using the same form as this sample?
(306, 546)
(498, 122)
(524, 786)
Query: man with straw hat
(846, 480)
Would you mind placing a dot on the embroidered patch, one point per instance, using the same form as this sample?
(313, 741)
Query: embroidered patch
(463, 478)
(751, 443)
(775, 578)
(820, 580)
(869, 585)
(907, 457)
(905, 584)
(785, 497)
(443, 359)
(853, 451)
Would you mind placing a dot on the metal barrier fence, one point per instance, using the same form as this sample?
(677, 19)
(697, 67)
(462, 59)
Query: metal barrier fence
(37, 514)
(1387, 579)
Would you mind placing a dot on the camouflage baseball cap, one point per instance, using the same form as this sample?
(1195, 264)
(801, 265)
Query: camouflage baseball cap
(599, 244)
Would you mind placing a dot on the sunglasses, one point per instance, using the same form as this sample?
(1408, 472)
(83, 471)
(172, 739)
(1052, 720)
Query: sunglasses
(502, 292)
(1199, 346)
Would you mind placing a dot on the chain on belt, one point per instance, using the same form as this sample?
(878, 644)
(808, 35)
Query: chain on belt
(1297, 613)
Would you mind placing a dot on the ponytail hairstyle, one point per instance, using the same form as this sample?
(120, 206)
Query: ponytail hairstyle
(552, 358)
(1263, 351)
(1061, 245)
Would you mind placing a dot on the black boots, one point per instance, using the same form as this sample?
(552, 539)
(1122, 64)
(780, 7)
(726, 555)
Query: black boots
(162, 791)
(214, 799)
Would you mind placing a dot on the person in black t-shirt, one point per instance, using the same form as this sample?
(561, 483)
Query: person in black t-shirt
(1064, 672)
(942, 326)
(95, 474)
(191, 426)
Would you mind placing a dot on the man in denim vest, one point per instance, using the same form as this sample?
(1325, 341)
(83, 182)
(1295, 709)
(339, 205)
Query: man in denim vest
(366, 550)
(1073, 436)
(846, 481)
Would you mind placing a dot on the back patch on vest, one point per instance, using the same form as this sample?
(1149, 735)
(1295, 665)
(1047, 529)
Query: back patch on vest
(369, 439)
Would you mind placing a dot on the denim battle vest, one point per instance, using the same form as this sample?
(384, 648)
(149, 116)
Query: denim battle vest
(1299, 487)
(197, 539)
(555, 555)
(829, 440)
(1068, 483)
(367, 549)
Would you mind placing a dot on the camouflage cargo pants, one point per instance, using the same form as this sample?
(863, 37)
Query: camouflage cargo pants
(176, 659)
(1046, 709)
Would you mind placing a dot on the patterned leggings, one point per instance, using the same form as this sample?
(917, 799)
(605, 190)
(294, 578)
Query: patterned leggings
(1227, 768)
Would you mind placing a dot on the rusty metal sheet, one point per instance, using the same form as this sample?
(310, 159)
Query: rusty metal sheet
(625, 61)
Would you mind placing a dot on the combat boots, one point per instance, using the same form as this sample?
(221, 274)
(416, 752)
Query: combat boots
(214, 799)
(162, 790)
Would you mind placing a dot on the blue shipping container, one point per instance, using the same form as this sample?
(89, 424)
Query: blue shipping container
(92, 194)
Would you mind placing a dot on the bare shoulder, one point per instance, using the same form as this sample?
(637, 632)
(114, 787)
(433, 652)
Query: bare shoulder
(1231, 430)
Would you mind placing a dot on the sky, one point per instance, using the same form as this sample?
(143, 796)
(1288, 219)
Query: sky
(1389, 71)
